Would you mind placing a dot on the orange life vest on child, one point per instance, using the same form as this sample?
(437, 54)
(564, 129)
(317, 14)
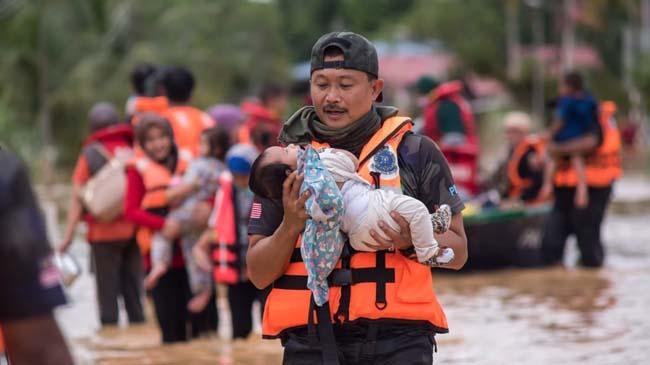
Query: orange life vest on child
(518, 183)
(157, 179)
(370, 285)
(603, 166)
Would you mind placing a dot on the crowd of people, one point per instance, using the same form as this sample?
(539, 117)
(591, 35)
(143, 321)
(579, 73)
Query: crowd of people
(307, 216)
(185, 206)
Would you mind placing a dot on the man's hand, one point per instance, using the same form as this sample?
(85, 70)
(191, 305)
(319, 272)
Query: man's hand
(295, 214)
(397, 240)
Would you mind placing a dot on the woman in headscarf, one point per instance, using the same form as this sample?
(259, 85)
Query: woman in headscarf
(149, 195)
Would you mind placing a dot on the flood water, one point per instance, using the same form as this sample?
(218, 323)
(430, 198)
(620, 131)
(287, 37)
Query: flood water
(550, 316)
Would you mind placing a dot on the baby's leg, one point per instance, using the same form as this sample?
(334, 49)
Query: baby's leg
(161, 256)
(183, 215)
(200, 281)
(582, 194)
(417, 214)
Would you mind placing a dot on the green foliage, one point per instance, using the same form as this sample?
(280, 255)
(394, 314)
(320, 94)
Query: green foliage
(474, 29)
(60, 56)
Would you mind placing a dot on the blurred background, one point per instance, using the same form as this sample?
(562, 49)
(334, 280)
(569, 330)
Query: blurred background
(58, 57)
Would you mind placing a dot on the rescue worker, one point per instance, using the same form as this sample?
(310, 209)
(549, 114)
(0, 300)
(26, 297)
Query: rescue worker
(602, 150)
(263, 117)
(146, 205)
(118, 265)
(525, 164)
(449, 121)
(28, 278)
(382, 305)
(187, 122)
(447, 111)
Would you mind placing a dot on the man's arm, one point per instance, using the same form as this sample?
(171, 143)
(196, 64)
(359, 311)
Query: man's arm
(268, 257)
(455, 239)
(35, 340)
(580, 145)
(577, 146)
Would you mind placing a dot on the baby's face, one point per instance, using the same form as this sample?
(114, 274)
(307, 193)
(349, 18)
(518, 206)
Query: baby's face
(287, 155)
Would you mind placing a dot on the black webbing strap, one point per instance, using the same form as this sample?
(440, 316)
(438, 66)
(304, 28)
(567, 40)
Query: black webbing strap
(343, 278)
(376, 179)
(343, 312)
(322, 332)
(296, 256)
(380, 292)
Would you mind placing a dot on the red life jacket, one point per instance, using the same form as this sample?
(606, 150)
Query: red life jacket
(225, 254)
(114, 139)
(448, 91)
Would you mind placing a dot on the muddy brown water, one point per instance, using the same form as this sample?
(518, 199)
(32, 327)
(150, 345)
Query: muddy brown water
(549, 316)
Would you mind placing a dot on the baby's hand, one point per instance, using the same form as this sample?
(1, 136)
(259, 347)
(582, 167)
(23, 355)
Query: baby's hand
(441, 219)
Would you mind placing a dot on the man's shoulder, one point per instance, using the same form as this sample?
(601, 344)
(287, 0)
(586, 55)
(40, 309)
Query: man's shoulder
(414, 143)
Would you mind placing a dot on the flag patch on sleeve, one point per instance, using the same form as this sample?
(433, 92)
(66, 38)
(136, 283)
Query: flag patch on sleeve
(256, 211)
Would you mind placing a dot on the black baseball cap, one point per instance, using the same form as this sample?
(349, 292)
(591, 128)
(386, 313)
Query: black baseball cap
(358, 53)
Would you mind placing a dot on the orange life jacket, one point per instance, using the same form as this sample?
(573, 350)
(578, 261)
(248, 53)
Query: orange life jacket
(518, 183)
(188, 123)
(603, 166)
(157, 179)
(154, 104)
(224, 255)
(370, 285)
(2, 342)
(147, 104)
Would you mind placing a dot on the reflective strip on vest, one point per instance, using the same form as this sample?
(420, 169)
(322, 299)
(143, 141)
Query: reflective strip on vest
(377, 285)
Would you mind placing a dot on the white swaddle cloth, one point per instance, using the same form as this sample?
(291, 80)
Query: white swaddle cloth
(365, 206)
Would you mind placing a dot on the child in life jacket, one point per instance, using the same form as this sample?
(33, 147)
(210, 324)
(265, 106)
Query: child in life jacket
(201, 177)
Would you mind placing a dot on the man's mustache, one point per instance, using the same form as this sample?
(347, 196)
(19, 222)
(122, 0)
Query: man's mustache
(332, 108)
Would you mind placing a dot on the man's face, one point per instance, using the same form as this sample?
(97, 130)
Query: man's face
(514, 136)
(342, 96)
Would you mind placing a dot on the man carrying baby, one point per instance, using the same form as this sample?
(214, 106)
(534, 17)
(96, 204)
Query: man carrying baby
(382, 306)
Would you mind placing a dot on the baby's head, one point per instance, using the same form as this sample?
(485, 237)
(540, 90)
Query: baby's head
(270, 170)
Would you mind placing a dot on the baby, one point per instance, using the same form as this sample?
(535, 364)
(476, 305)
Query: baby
(364, 206)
